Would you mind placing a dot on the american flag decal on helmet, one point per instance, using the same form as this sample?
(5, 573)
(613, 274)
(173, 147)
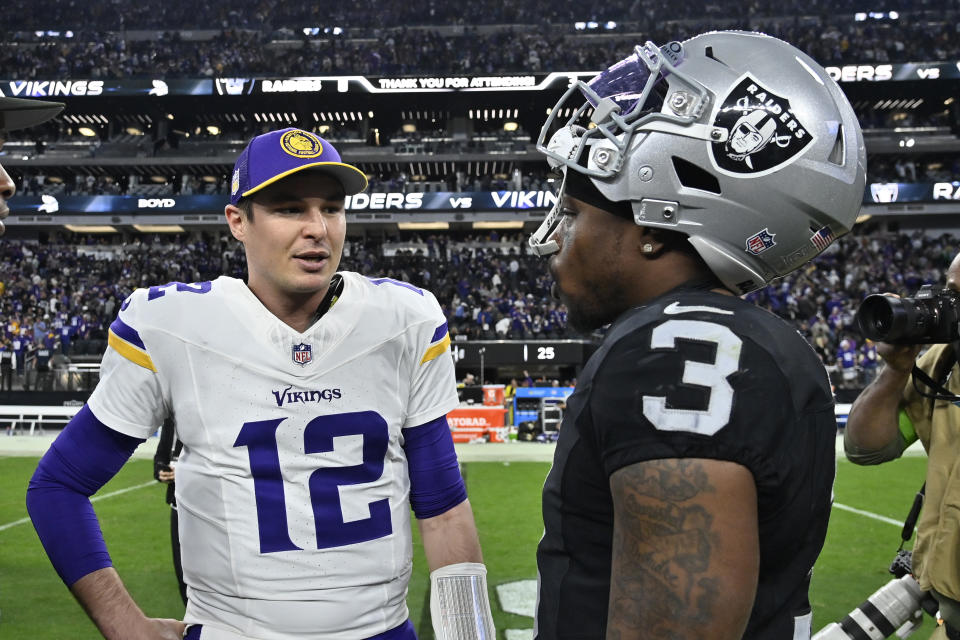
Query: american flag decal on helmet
(822, 239)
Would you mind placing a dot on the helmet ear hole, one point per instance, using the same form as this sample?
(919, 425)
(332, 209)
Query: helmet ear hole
(694, 177)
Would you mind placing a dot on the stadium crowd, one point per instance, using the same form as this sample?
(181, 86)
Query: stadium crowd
(62, 295)
(527, 45)
(28, 16)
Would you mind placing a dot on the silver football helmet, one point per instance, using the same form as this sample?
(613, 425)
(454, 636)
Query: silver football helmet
(736, 139)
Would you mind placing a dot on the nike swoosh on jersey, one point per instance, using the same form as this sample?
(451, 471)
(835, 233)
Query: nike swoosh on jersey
(675, 308)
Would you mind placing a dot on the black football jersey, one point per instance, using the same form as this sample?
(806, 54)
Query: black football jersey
(693, 374)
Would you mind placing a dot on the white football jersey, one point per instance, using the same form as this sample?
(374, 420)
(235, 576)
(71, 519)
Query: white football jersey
(292, 488)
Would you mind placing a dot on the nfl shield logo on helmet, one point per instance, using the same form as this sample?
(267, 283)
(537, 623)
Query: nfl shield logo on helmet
(760, 242)
(302, 354)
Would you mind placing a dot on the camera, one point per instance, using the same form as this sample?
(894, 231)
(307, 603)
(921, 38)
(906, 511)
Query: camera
(896, 607)
(932, 317)
(892, 606)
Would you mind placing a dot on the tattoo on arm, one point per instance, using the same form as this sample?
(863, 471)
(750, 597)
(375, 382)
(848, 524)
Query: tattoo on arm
(662, 545)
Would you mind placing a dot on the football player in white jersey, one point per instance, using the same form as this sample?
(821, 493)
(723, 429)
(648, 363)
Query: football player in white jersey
(312, 409)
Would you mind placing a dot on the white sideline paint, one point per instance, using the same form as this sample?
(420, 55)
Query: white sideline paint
(868, 514)
(93, 499)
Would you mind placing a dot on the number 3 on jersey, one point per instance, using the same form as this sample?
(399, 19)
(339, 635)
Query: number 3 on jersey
(260, 439)
(705, 374)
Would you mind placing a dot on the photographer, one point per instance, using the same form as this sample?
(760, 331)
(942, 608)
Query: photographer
(888, 416)
(164, 461)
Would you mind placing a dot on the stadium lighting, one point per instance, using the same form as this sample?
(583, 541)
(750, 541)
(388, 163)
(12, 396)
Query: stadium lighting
(213, 129)
(422, 226)
(579, 26)
(169, 116)
(498, 224)
(90, 228)
(409, 127)
(323, 128)
(592, 25)
(134, 131)
(948, 101)
(510, 126)
(369, 114)
(159, 228)
(894, 15)
(859, 17)
(86, 132)
(610, 25)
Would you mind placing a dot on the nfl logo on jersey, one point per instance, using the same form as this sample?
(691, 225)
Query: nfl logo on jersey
(302, 354)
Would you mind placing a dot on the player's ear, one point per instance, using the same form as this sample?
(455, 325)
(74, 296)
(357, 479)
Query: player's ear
(236, 220)
(648, 244)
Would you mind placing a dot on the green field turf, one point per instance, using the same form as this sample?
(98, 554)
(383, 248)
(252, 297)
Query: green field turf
(34, 603)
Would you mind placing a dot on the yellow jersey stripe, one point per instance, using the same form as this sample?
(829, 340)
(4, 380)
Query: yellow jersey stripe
(437, 349)
(130, 352)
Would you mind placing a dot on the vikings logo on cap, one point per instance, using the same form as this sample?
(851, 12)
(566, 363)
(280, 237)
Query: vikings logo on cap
(764, 133)
(235, 183)
(300, 144)
(302, 354)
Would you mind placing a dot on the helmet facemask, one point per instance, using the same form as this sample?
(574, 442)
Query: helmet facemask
(631, 96)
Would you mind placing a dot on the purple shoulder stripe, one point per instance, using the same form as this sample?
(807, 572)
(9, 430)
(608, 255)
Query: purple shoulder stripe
(127, 333)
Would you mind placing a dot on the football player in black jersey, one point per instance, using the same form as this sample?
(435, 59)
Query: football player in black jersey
(691, 484)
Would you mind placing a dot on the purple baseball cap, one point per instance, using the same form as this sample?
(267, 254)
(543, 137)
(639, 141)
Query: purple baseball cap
(275, 155)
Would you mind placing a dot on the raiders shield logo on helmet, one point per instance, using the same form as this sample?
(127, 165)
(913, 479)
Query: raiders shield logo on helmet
(764, 133)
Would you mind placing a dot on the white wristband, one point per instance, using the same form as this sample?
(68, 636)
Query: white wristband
(459, 605)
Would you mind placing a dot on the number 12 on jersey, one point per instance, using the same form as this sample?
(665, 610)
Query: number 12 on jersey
(260, 439)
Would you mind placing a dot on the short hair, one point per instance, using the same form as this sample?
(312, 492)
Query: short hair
(246, 206)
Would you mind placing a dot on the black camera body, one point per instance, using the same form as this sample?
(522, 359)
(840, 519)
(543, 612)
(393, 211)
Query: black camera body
(932, 317)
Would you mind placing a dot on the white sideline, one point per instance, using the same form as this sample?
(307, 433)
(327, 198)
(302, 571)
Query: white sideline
(93, 499)
(868, 514)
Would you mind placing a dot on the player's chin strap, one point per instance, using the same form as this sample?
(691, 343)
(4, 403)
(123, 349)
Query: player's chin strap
(459, 606)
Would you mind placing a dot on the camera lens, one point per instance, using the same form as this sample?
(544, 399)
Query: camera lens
(882, 318)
